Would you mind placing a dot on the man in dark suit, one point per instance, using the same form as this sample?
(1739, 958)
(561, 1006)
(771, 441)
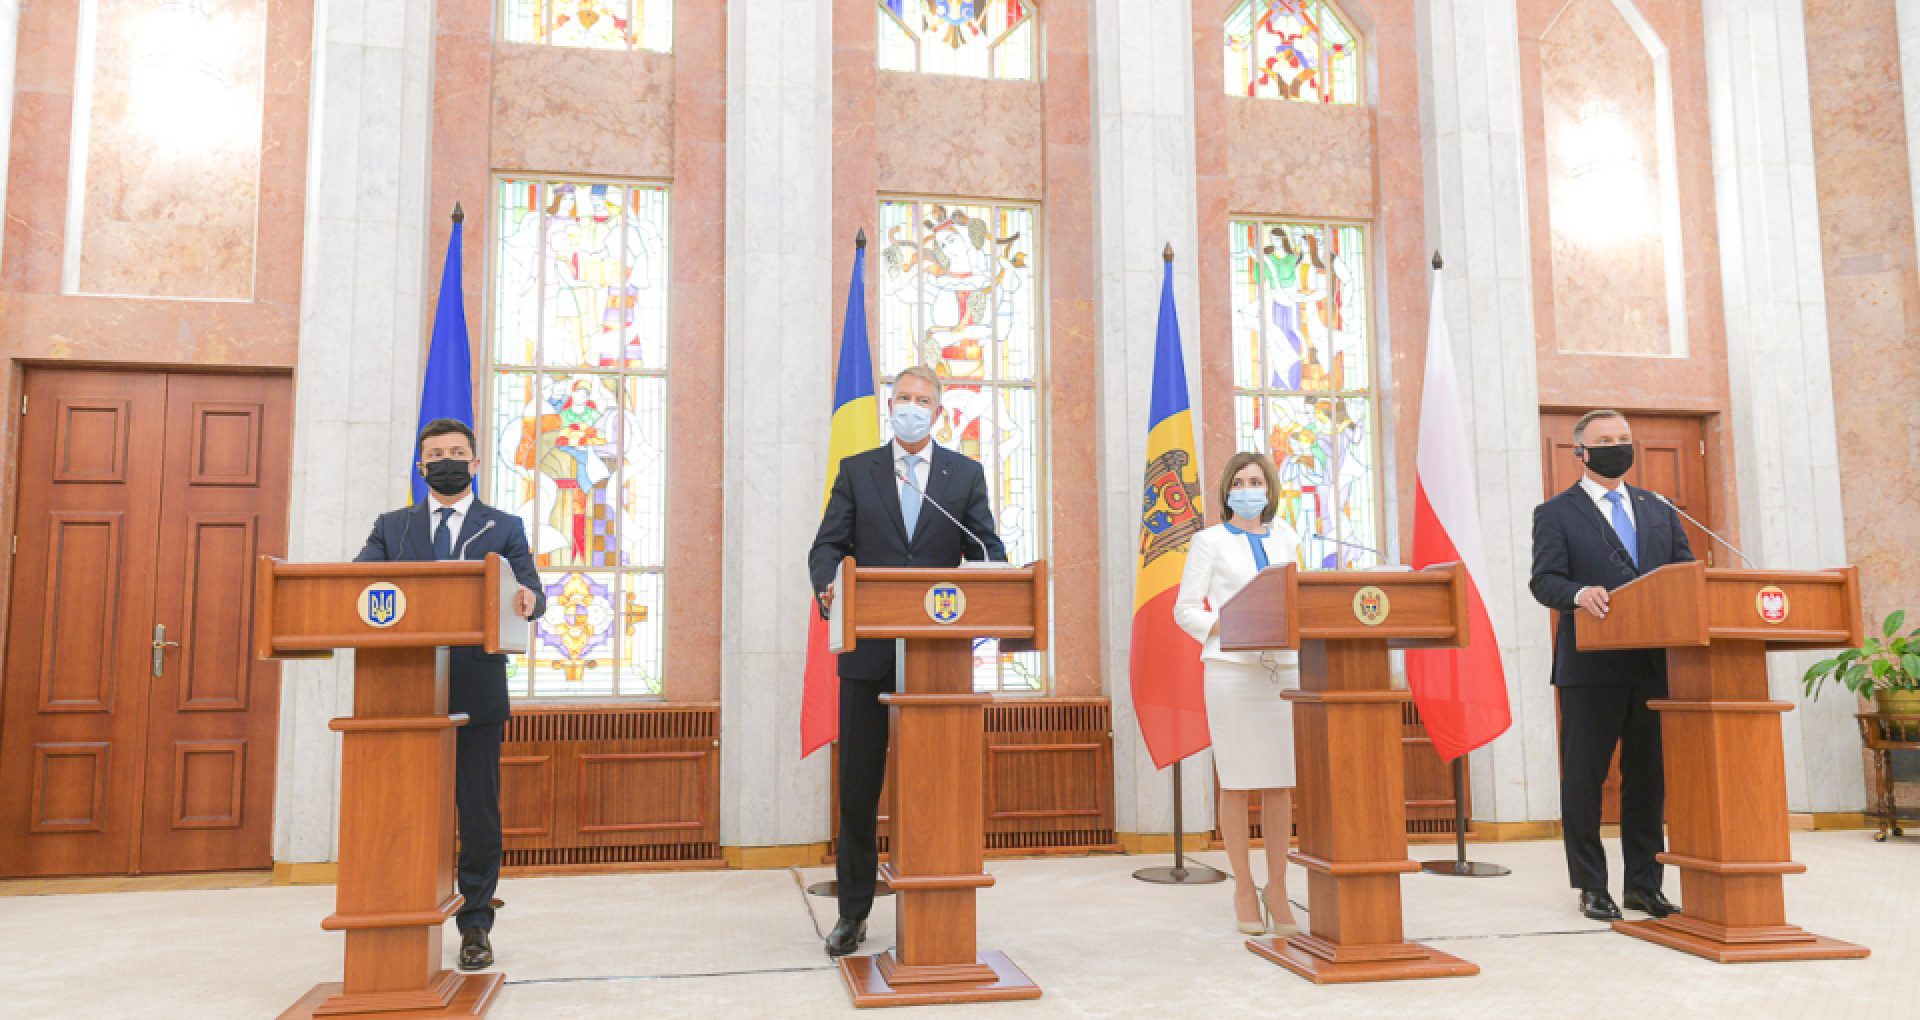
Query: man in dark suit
(453, 525)
(877, 514)
(1588, 540)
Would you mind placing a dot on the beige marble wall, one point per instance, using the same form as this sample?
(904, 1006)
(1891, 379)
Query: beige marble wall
(583, 111)
(1606, 181)
(959, 136)
(1861, 152)
(1299, 159)
(172, 134)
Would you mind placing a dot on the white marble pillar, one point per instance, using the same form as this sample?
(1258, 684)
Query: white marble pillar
(1786, 450)
(1476, 201)
(357, 382)
(1145, 174)
(9, 44)
(1907, 15)
(779, 313)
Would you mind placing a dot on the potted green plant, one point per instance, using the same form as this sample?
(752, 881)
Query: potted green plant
(1886, 668)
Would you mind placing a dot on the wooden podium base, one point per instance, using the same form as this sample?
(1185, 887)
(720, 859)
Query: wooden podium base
(469, 995)
(882, 981)
(1404, 962)
(1786, 942)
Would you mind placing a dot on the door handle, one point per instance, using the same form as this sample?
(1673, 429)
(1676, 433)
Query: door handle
(160, 646)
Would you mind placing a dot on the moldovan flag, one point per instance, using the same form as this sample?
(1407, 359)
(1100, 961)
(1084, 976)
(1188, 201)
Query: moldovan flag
(856, 429)
(1461, 692)
(1165, 662)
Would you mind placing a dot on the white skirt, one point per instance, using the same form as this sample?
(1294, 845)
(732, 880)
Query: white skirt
(1252, 726)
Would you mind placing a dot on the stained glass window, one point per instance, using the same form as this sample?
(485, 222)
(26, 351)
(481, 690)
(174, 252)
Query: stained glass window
(590, 24)
(576, 429)
(1301, 50)
(956, 285)
(1303, 389)
(973, 38)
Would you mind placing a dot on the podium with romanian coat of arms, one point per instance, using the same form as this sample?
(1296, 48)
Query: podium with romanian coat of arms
(936, 861)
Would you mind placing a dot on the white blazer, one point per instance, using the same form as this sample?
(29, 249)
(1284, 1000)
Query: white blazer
(1219, 564)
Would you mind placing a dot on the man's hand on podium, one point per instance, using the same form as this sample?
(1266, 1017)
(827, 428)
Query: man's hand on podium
(523, 602)
(1593, 599)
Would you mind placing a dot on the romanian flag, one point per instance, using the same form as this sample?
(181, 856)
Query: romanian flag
(447, 389)
(1165, 662)
(856, 429)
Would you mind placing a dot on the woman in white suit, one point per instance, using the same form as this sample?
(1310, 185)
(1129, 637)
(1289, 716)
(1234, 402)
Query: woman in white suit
(1252, 727)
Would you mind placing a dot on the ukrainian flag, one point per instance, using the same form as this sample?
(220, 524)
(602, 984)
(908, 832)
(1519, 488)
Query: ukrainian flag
(855, 429)
(1165, 662)
(446, 391)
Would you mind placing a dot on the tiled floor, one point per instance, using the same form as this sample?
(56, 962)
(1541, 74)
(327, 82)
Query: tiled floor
(746, 944)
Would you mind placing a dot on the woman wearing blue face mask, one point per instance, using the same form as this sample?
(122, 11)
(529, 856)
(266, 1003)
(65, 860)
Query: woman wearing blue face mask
(1252, 727)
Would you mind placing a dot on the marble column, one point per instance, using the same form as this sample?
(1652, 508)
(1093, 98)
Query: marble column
(1787, 459)
(1476, 203)
(9, 43)
(779, 317)
(1145, 195)
(1907, 14)
(357, 381)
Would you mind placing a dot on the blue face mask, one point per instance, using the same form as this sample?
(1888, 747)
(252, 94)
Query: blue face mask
(1248, 503)
(911, 422)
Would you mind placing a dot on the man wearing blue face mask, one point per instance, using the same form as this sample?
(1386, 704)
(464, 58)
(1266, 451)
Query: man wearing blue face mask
(878, 514)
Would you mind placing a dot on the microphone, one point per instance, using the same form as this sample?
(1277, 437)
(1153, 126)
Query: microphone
(903, 476)
(462, 554)
(1350, 545)
(1710, 532)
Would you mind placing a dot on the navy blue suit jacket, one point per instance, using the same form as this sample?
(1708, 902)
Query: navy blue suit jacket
(1574, 547)
(476, 681)
(863, 520)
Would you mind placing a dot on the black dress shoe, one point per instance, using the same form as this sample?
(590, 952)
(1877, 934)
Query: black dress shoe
(1655, 902)
(476, 953)
(1595, 903)
(846, 937)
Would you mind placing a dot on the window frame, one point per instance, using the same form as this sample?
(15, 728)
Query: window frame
(501, 19)
(1360, 54)
(1371, 394)
(485, 413)
(993, 48)
(1039, 387)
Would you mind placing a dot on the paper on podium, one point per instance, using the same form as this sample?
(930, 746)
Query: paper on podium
(836, 625)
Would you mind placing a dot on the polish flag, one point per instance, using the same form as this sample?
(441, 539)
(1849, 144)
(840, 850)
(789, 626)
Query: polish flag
(1461, 692)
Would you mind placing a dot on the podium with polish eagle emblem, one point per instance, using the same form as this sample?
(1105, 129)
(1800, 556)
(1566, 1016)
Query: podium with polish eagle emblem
(1721, 737)
(396, 883)
(935, 860)
(1349, 762)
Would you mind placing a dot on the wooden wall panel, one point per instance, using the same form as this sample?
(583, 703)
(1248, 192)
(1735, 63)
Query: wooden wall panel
(585, 785)
(1049, 777)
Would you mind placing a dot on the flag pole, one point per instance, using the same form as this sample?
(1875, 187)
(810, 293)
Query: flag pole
(1180, 874)
(1460, 866)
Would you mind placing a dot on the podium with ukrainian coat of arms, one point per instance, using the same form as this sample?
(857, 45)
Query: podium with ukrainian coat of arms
(396, 885)
(1347, 747)
(936, 857)
(1721, 739)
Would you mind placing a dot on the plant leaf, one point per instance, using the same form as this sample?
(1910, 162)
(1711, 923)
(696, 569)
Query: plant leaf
(1911, 664)
(1894, 620)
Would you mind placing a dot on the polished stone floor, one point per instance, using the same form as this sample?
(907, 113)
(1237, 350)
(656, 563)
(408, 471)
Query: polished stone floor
(746, 944)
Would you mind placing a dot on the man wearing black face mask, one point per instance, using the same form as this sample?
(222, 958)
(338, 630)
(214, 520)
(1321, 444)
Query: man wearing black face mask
(1592, 538)
(453, 525)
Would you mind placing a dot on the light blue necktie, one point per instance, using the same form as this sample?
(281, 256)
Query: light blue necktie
(910, 496)
(1623, 526)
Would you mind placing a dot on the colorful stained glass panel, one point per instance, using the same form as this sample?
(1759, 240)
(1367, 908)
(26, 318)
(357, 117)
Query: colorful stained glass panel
(591, 24)
(971, 38)
(1298, 50)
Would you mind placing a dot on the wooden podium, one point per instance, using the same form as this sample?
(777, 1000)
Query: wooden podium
(1725, 771)
(1347, 753)
(936, 854)
(396, 882)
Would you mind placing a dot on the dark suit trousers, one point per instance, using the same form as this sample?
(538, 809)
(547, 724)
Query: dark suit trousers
(476, 795)
(863, 767)
(1592, 720)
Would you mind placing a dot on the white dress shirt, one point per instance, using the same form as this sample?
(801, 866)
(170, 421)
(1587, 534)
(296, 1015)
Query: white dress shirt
(1598, 493)
(920, 470)
(455, 520)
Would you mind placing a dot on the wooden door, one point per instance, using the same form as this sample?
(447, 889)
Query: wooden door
(1669, 457)
(143, 499)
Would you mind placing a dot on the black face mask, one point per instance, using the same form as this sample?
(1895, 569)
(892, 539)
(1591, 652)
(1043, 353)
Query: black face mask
(449, 477)
(1610, 461)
